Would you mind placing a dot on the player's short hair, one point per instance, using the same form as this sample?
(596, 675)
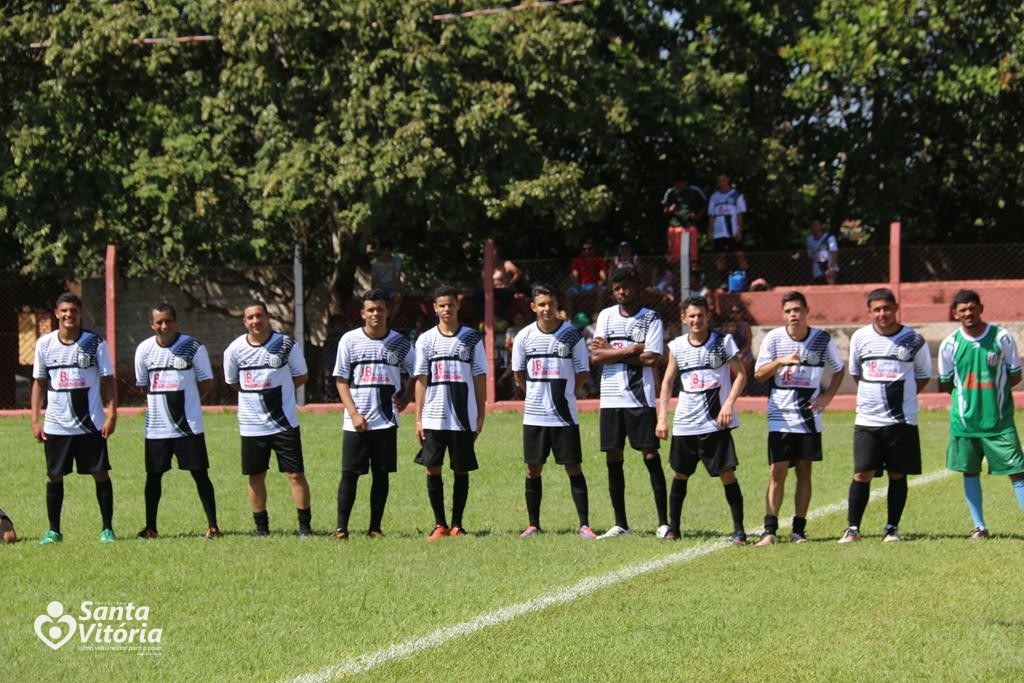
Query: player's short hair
(373, 295)
(69, 298)
(622, 275)
(696, 302)
(542, 289)
(445, 290)
(881, 294)
(794, 296)
(966, 296)
(163, 307)
(253, 304)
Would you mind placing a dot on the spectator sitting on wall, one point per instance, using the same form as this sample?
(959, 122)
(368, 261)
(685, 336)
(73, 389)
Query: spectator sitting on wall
(823, 251)
(386, 275)
(508, 280)
(589, 270)
(626, 259)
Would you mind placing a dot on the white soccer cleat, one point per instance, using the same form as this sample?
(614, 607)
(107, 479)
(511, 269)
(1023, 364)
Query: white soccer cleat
(614, 532)
(662, 531)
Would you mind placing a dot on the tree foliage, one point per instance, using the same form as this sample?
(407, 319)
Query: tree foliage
(329, 123)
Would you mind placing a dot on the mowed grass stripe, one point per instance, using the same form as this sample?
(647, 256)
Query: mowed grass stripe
(568, 594)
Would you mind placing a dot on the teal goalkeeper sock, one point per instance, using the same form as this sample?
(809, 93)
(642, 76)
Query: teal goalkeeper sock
(1018, 488)
(972, 491)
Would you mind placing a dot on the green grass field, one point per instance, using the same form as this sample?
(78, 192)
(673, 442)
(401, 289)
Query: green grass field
(935, 606)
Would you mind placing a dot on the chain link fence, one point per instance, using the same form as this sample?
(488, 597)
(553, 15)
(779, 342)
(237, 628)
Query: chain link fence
(210, 305)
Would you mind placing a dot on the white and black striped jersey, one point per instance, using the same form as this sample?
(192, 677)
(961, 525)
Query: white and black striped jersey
(373, 370)
(723, 207)
(266, 392)
(888, 368)
(704, 380)
(450, 364)
(624, 385)
(551, 361)
(171, 375)
(73, 371)
(794, 386)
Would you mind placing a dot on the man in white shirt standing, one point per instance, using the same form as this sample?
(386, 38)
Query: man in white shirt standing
(266, 367)
(823, 252)
(550, 359)
(628, 343)
(794, 358)
(727, 210)
(891, 364)
(175, 370)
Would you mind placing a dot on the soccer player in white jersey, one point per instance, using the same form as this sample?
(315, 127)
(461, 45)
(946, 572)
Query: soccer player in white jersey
(891, 363)
(795, 358)
(704, 361)
(72, 366)
(550, 359)
(266, 367)
(628, 344)
(368, 372)
(175, 370)
(451, 370)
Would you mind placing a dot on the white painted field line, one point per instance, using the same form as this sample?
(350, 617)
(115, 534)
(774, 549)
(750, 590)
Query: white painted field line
(562, 596)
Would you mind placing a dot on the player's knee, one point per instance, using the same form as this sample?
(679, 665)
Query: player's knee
(681, 476)
(54, 478)
(897, 475)
(650, 455)
(101, 476)
(573, 470)
(614, 456)
(433, 471)
(728, 477)
(866, 477)
(534, 471)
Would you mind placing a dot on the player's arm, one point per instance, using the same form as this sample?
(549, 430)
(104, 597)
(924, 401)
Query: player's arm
(421, 395)
(406, 395)
(921, 382)
(771, 367)
(667, 382)
(299, 380)
(725, 415)
(205, 387)
(108, 386)
(358, 421)
(520, 379)
(38, 396)
(480, 386)
(602, 353)
(581, 379)
(821, 401)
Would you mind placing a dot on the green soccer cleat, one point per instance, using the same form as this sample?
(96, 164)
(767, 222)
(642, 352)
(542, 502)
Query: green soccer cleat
(51, 537)
(107, 536)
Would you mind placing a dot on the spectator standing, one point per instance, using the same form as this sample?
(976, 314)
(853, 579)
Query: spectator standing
(685, 205)
(727, 209)
(386, 276)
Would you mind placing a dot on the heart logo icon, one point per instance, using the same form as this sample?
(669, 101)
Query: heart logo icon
(54, 636)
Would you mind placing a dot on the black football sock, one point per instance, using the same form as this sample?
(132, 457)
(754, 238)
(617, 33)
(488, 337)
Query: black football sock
(657, 475)
(534, 493)
(54, 503)
(347, 488)
(858, 502)
(153, 491)
(105, 497)
(675, 502)
(460, 494)
(771, 524)
(378, 499)
(734, 497)
(262, 520)
(435, 494)
(578, 488)
(799, 525)
(305, 518)
(617, 491)
(897, 499)
(206, 496)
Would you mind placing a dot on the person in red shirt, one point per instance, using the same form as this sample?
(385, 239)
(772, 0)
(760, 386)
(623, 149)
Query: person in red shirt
(589, 273)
